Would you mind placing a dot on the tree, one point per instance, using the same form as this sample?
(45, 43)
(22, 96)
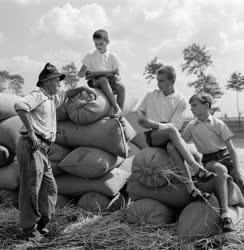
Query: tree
(151, 69)
(15, 82)
(236, 83)
(197, 61)
(71, 77)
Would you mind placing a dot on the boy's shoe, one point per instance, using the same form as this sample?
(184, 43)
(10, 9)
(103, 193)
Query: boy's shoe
(227, 225)
(196, 194)
(34, 236)
(204, 175)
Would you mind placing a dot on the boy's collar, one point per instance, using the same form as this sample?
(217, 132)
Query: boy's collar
(209, 119)
(105, 53)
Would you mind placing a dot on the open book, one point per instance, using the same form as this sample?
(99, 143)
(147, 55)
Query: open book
(133, 119)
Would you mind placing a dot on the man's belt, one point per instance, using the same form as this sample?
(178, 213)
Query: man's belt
(39, 137)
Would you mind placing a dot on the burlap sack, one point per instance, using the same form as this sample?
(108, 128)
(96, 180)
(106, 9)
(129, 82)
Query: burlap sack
(9, 132)
(56, 169)
(90, 112)
(6, 156)
(9, 197)
(207, 216)
(9, 176)
(109, 185)
(61, 113)
(106, 134)
(89, 162)
(149, 211)
(58, 152)
(7, 102)
(153, 167)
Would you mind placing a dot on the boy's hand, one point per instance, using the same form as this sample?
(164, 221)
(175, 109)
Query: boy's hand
(238, 178)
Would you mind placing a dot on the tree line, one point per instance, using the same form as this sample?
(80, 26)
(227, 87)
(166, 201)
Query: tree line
(197, 61)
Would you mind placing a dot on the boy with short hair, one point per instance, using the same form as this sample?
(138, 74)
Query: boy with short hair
(212, 139)
(101, 69)
(163, 111)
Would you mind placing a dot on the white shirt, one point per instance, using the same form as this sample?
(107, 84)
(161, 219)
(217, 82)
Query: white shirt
(209, 136)
(161, 108)
(97, 61)
(42, 108)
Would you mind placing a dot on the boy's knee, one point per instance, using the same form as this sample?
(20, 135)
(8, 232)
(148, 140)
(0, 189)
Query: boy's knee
(172, 130)
(119, 87)
(217, 167)
(102, 80)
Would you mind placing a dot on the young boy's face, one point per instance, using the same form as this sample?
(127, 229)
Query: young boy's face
(101, 45)
(163, 81)
(199, 109)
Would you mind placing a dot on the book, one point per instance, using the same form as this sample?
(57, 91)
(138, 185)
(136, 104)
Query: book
(133, 119)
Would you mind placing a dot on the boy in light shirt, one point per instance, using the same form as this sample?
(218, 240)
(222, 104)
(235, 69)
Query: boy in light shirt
(101, 69)
(212, 139)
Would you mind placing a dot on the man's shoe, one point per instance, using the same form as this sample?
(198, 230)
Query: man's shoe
(227, 225)
(34, 236)
(44, 231)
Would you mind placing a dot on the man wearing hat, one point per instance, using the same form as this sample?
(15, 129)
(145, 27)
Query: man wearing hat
(38, 189)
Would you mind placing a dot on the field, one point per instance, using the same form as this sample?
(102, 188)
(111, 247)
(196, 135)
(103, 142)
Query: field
(73, 228)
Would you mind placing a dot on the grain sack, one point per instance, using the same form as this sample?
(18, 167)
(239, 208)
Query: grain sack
(7, 102)
(153, 167)
(109, 185)
(9, 131)
(132, 149)
(106, 134)
(94, 202)
(9, 197)
(97, 202)
(89, 162)
(201, 219)
(57, 152)
(63, 200)
(149, 211)
(56, 169)
(235, 197)
(9, 176)
(90, 112)
(126, 165)
(5, 156)
(61, 113)
(174, 195)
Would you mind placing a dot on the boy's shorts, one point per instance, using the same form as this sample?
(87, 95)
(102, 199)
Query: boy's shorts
(111, 80)
(222, 156)
(148, 137)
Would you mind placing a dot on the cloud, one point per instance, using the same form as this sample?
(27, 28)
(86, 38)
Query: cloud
(25, 2)
(74, 23)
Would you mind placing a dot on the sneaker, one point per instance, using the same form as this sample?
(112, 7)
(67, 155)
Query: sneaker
(227, 225)
(34, 236)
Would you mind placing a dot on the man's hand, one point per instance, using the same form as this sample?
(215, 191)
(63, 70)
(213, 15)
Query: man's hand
(238, 177)
(36, 142)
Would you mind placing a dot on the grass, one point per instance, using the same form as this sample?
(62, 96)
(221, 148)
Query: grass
(73, 228)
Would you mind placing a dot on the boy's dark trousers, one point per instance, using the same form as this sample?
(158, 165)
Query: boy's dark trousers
(38, 189)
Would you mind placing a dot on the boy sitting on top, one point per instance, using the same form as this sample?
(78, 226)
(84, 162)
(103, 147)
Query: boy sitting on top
(101, 69)
(212, 138)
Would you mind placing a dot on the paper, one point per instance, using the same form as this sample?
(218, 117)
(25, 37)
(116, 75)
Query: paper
(133, 119)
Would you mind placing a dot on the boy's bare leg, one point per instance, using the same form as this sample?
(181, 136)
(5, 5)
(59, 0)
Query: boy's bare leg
(103, 83)
(168, 132)
(140, 141)
(119, 87)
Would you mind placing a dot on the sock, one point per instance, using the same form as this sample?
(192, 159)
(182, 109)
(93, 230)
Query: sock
(224, 215)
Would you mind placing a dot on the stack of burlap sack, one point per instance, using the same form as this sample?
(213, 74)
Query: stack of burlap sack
(88, 156)
(160, 197)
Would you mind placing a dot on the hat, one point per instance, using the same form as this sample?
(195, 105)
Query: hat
(49, 72)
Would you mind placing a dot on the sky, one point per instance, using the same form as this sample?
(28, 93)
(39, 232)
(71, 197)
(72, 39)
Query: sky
(34, 32)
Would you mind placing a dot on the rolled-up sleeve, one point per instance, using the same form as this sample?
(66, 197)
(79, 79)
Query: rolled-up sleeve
(179, 115)
(28, 102)
(59, 98)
